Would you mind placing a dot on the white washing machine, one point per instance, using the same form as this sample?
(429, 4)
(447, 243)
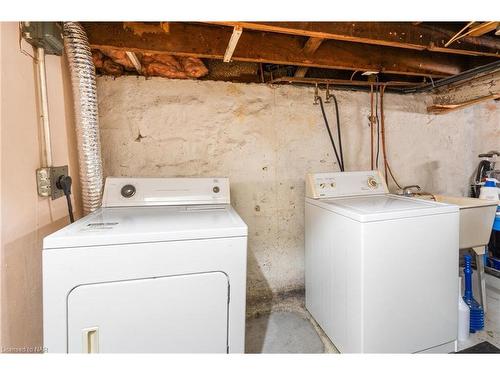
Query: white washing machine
(381, 269)
(161, 267)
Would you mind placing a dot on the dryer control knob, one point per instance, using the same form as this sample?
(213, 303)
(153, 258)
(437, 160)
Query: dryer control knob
(372, 182)
(128, 191)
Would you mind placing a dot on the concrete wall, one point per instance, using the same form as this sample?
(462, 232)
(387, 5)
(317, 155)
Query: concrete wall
(267, 138)
(25, 217)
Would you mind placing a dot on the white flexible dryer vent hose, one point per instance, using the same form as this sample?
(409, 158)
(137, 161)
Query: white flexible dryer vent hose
(83, 82)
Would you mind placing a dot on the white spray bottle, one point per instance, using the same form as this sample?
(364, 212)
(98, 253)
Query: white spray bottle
(463, 315)
(489, 190)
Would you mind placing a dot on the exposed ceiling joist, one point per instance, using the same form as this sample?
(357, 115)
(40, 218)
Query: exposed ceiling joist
(457, 35)
(395, 34)
(473, 29)
(309, 48)
(483, 28)
(140, 28)
(233, 41)
(204, 41)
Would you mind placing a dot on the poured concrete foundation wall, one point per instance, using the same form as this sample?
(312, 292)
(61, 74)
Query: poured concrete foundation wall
(265, 139)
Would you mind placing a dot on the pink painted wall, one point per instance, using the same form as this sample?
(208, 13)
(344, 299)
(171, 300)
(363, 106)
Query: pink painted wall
(25, 218)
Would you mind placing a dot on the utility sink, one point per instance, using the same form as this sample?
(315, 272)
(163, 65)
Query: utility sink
(476, 222)
(476, 219)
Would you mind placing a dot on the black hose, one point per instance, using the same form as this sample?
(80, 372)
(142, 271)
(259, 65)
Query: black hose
(338, 130)
(341, 165)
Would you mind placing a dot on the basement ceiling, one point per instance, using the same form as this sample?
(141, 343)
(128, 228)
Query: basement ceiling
(404, 53)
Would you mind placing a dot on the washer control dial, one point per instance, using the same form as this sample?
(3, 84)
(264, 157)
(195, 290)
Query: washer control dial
(128, 191)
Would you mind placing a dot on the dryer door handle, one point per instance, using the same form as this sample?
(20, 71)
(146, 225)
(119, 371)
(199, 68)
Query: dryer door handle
(90, 338)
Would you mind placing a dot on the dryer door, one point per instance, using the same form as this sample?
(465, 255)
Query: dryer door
(173, 314)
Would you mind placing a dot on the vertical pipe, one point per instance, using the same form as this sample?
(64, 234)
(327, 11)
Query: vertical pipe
(382, 132)
(44, 104)
(371, 127)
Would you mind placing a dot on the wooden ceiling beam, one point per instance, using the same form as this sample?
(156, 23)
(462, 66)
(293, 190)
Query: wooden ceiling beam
(135, 61)
(309, 48)
(483, 28)
(233, 42)
(407, 35)
(210, 42)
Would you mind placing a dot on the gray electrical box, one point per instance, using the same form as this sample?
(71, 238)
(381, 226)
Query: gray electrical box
(46, 180)
(48, 35)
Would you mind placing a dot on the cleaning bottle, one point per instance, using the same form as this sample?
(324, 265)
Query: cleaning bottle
(476, 310)
(489, 190)
(463, 315)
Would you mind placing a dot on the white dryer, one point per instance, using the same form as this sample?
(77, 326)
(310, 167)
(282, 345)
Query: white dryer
(381, 269)
(161, 267)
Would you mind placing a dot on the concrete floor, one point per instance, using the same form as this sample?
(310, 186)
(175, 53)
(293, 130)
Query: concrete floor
(287, 327)
(284, 326)
(282, 332)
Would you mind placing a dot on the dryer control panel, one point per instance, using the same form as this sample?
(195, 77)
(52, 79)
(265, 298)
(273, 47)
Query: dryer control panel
(181, 191)
(341, 184)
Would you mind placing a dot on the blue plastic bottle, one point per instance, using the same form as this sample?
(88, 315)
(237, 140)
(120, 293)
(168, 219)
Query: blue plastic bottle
(476, 310)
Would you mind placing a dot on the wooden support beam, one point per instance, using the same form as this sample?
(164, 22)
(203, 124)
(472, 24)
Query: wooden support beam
(394, 34)
(483, 28)
(233, 41)
(140, 28)
(446, 108)
(165, 26)
(457, 35)
(210, 42)
(312, 45)
(135, 61)
(309, 48)
(301, 72)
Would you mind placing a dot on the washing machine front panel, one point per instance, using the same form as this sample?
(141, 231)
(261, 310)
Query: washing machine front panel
(410, 284)
(175, 314)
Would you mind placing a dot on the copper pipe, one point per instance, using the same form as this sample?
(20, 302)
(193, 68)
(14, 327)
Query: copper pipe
(382, 132)
(371, 127)
(342, 82)
(387, 167)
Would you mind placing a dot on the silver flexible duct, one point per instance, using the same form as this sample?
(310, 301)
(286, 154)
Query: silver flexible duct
(83, 82)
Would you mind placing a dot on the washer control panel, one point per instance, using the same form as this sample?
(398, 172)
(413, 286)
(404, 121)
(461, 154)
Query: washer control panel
(341, 184)
(143, 191)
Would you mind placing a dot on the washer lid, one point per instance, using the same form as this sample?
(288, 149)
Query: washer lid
(126, 225)
(382, 207)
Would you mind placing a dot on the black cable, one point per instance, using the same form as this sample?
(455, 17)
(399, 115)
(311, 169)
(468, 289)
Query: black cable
(341, 166)
(64, 183)
(70, 209)
(338, 129)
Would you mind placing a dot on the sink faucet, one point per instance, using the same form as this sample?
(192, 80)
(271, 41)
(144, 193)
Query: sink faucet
(407, 190)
